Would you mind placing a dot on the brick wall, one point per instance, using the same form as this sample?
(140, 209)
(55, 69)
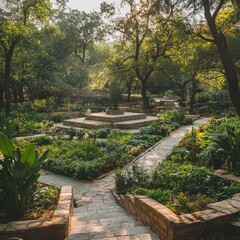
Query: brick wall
(170, 226)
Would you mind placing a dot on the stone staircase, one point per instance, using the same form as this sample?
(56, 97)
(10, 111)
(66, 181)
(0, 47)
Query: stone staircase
(127, 120)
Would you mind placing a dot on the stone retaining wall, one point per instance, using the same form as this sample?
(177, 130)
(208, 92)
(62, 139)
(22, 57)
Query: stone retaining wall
(170, 226)
(55, 228)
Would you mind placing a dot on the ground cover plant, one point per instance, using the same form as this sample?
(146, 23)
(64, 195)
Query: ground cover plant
(90, 155)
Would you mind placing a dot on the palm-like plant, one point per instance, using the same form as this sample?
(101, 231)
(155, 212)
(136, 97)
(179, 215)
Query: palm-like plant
(19, 173)
(115, 93)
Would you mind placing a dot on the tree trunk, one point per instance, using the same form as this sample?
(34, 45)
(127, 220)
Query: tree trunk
(225, 55)
(192, 97)
(20, 92)
(144, 94)
(129, 90)
(182, 96)
(7, 84)
(8, 60)
(1, 95)
(15, 92)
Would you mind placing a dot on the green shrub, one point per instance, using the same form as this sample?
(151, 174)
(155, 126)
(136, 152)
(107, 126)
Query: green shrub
(41, 141)
(181, 187)
(127, 180)
(102, 132)
(19, 173)
(45, 198)
(177, 116)
(8, 126)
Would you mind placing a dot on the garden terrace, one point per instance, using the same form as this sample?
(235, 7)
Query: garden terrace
(96, 214)
(128, 120)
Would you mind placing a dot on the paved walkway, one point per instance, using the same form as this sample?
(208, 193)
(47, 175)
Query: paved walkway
(97, 215)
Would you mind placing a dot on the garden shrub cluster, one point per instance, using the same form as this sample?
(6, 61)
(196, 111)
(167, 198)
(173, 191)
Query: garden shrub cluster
(27, 117)
(184, 182)
(93, 153)
(215, 145)
(215, 102)
(183, 188)
(88, 158)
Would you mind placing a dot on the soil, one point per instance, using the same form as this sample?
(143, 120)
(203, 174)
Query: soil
(5, 218)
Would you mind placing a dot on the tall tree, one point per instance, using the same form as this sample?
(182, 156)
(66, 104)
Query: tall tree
(85, 29)
(18, 18)
(211, 10)
(147, 28)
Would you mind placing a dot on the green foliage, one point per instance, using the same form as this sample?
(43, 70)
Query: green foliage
(115, 93)
(225, 146)
(45, 198)
(181, 187)
(19, 173)
(216, 102)
(102, 132)
(41, 141)
(7, 125)
(177, 116)
(128, 179)
(215, 144)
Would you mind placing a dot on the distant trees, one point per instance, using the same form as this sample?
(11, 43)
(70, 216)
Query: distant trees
(147, 30)
(46, 53)
(38, 50)
(17, 19)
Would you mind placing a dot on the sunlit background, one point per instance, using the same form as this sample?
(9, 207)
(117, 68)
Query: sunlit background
(87, 6)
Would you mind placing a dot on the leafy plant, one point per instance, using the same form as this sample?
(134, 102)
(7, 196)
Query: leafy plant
(227, 146)
(19, 172)
(177, 116)
(115, 93)
(181, 187)
(129, 179)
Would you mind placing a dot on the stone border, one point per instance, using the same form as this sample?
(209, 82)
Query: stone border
(55, 228)
(170, 226)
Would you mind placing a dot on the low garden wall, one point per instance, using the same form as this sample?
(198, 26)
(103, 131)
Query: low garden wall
(54, 228)
(170, 226)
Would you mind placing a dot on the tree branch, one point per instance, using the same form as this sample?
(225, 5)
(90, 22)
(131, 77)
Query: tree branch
(218, 8)
(205, 38)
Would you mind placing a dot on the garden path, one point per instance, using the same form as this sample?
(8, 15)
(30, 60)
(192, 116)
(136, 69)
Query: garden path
(97, 215)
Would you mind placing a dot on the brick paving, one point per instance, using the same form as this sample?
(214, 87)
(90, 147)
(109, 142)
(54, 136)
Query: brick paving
(97, 215)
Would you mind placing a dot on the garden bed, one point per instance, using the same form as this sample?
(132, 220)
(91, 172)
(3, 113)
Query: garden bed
(182, 198)
(54, 228)
(170, 226)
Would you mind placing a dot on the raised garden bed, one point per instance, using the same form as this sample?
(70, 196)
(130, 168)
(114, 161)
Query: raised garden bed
(54, 228)
(170, 226)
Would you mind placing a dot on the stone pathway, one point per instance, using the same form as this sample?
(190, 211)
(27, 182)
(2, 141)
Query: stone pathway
(97, 215)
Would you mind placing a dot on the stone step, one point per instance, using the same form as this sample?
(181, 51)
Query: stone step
(103, 117)
(83, 123)
(136, 123)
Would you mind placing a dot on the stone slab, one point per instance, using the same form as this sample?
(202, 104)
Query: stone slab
(103, 117)
(135, 123)
(82, 122)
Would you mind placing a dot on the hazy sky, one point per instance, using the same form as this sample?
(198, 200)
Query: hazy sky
(87, 5)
